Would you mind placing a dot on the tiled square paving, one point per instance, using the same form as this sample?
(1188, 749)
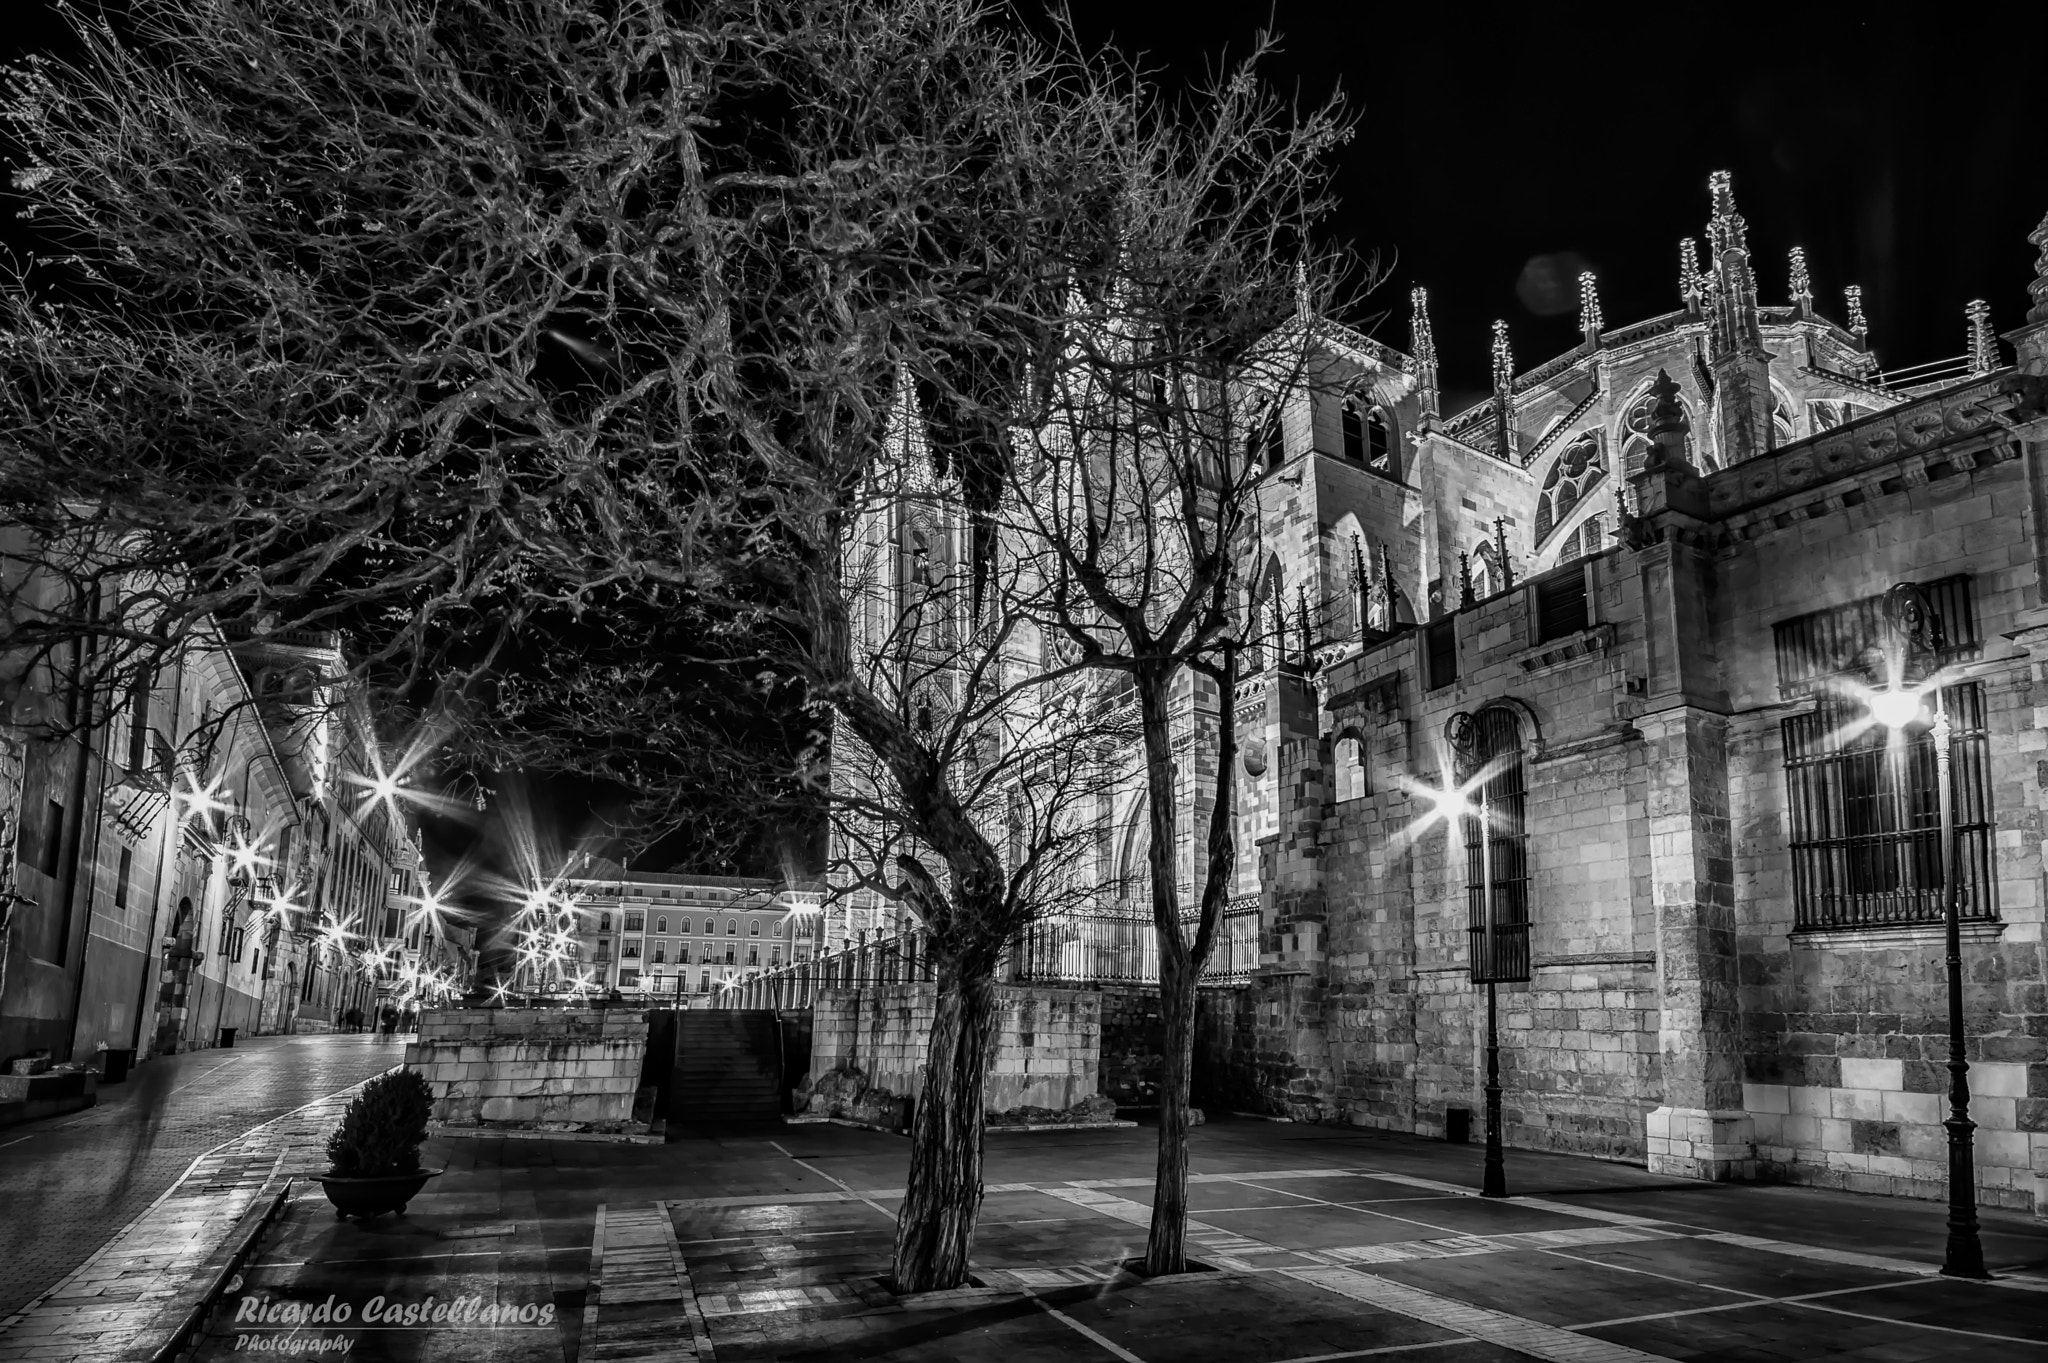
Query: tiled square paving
(1783, 1334)
(1243, 1318)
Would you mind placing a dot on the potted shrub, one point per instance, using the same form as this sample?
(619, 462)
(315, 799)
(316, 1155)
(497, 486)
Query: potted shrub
(375, 1152)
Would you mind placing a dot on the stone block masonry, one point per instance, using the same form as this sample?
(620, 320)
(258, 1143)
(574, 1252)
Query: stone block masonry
(1047, 1050)
(535, 1069)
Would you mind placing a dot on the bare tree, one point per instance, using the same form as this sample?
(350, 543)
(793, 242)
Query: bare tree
(1157, 429)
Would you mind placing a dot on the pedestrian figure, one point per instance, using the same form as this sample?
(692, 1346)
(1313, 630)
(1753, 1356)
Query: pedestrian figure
(390, 1019)
(353, 1019)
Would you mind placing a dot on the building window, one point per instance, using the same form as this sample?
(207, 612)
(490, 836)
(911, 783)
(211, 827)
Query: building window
(121, 875)
(635, 920)
(775, 956)
(753, 927)
(604, 951)
(753, 955)
(1821, 644)
(1497, 849)
(704, 982)
(1865, 815)
(628, 979)
(1441, 641)
(729, 956)
(683, 926)
(661, 923)
(631, 951)
(1574, 473)
(1351, 782)
(1561, 604)
(732, 927)
(683, 953)
(1354, 432)
(660, 952)
(1379, 441)
(604, 922)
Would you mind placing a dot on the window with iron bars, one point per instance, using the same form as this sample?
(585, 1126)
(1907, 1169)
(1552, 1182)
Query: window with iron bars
(1497, 852)
(1865, 814)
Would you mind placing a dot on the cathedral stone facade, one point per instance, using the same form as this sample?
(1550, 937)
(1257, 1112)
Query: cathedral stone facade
(1634, 602)
(1650, 574)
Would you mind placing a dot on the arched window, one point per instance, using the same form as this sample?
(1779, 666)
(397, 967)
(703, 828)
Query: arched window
(732, 927)
(1352, 782)
(1379, 442)
(1575, 471)
(1354, 432)
(1272, 441)
(1485, 570)
(1496, 843)
(661, 923)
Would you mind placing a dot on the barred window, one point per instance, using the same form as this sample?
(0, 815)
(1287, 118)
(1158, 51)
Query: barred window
(1865, 815)
(1497, 852)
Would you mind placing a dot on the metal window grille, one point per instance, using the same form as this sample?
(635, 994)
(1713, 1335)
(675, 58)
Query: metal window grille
(1561, 605)
(1825, 643)
(1497, 854)
(1865, 813)
(1123, 948)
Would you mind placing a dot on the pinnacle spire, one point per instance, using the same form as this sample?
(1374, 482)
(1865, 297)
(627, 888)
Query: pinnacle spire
(1421, 337)
(1727, 231)
(1858, 326)
(1983, 341)
(1301, 299)
(1590, 321)
(1690, 285)
(1503, 395)
(1802, 282)
(1422, 341)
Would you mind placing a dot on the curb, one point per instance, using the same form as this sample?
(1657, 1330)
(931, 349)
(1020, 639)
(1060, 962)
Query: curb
(244, 1238)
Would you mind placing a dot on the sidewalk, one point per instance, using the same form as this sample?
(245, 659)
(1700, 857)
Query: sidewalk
(138, 1287)
(1321, 1243)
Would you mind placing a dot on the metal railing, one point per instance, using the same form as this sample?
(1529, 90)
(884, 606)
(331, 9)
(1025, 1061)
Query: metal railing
(1123, 948)
(1077, 949)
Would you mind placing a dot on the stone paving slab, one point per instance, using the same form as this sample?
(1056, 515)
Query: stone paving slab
(70, 1184)
(135, 1287)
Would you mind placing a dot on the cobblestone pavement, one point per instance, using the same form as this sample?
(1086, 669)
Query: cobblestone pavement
(1319, 1244)
(70, 1183)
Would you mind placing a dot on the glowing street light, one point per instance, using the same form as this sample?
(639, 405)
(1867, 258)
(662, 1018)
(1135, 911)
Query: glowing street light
(1913, 630)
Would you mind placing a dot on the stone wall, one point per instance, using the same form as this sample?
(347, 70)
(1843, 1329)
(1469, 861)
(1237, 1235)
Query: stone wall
(1132, 1040)
(1678, 1012)
(531, 1068)
(1047, 1047)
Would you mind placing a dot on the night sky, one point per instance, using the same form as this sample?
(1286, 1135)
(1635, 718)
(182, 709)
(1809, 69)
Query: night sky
(1499, 148)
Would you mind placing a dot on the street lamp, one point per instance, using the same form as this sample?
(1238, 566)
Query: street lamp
(1488, 964)
(1913, 629)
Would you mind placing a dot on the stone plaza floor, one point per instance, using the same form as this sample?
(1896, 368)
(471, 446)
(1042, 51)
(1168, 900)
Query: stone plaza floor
(1320, 1243)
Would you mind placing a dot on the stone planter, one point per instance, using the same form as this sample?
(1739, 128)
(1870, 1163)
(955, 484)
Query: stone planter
(368, 1195)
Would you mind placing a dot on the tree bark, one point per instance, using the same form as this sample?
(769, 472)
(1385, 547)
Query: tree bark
(935, 1228)
(1166, 1244)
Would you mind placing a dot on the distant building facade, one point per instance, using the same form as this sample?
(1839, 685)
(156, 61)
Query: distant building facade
(655, 934)
(197, 854)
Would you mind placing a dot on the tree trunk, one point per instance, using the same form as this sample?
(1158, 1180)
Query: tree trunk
(935, 1230)
(1166, 1245)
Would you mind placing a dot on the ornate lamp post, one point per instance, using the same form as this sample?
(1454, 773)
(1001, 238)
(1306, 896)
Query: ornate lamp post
(1491, 965)
(1915, 635)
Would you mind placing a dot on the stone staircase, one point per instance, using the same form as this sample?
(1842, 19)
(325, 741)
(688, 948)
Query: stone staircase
(728, 1069)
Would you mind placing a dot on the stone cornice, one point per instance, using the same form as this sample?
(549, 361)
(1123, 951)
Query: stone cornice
(1922, 427)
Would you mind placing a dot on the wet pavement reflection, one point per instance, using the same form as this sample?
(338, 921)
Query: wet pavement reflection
(72, 1182)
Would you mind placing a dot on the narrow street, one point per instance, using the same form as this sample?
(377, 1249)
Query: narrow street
(71, 1182)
